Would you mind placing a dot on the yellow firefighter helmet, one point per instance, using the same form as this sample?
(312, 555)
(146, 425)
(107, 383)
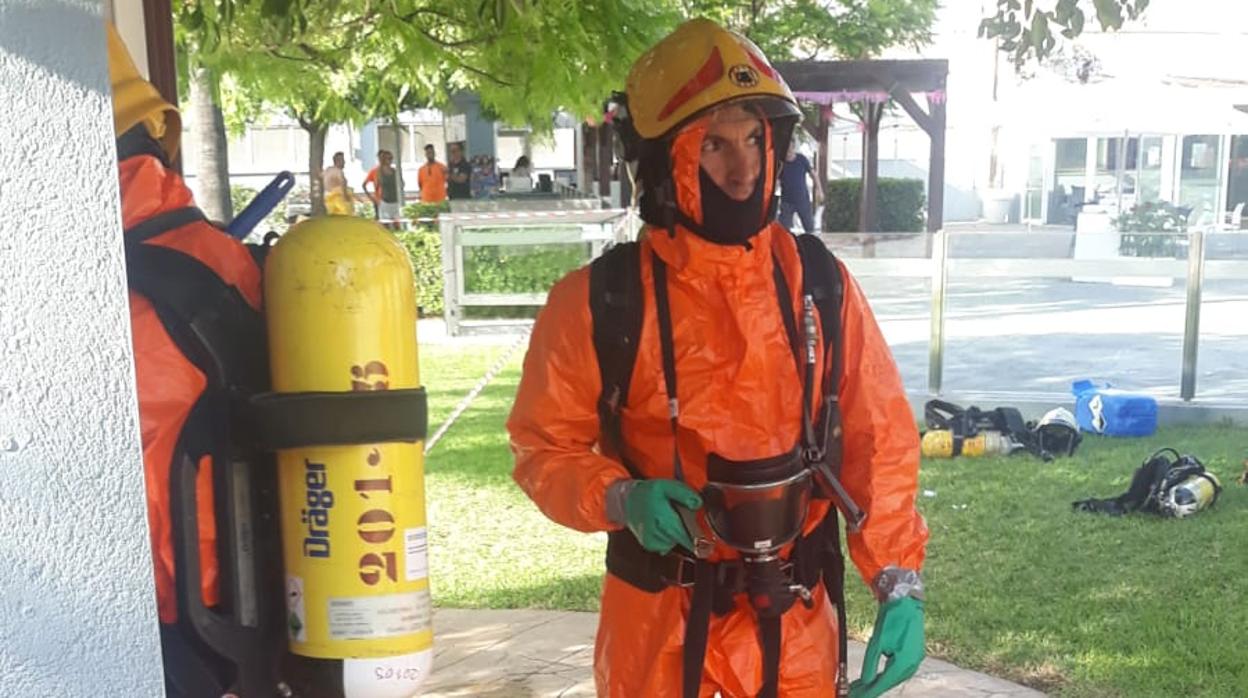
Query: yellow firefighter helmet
(698, 66)
(136, 101)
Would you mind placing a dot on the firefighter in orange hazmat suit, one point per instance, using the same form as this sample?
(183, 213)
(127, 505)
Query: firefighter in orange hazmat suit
(711, 401)
(158, 210)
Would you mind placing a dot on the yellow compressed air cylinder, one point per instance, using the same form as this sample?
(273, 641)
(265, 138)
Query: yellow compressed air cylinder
(341, 309)
(938, 443)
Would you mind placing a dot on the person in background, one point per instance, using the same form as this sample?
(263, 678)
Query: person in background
(794, 196)
(521, 177)
(460, 186)
(431, 178)
(385, 191)
(337, 194)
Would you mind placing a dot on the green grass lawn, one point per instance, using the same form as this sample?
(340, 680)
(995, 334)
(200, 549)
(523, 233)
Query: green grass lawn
(1018, 585)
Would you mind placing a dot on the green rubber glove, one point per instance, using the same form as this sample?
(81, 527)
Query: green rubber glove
(898, 635)
(651, 517)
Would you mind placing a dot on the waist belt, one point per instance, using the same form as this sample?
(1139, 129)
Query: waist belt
(714, 586)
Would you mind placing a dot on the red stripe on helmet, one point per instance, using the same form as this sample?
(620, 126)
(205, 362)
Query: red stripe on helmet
(711, 71)
(763, 66)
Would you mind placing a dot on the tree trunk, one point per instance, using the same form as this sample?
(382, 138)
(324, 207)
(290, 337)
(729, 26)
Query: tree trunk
(316, 156)
(212, 167)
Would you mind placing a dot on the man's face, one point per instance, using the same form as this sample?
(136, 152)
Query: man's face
(732, 151)
(430, 155)
(385, 158)
(339, 160)
(456, 153)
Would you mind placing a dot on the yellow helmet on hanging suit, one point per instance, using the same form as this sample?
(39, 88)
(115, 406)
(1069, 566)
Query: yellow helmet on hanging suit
(136, 101)
(697, 70)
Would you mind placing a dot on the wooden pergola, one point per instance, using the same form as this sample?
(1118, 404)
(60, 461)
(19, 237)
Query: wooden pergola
(873, 84)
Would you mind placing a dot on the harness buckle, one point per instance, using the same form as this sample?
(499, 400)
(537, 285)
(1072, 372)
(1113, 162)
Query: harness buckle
(685, 572)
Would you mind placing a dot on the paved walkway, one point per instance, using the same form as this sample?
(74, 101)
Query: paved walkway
(522, 654)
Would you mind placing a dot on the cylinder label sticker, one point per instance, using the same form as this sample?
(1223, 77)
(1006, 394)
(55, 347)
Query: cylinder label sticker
(416, 551)
(296, 623)
(371, 617)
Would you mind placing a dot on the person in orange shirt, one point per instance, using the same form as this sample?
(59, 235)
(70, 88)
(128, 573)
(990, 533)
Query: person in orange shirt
(432, 178)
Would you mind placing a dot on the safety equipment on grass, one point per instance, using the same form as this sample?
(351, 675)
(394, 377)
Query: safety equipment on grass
(1168, 484)
(898, 635)
(650, 513)
(1057, 433)
(956, 431)
(943, 443)
(136, 101)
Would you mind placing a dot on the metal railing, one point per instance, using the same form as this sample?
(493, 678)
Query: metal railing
(592, 228)
(931, 257)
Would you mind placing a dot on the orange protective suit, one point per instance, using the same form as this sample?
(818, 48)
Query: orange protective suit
(168, 383)
(739, 388)
(739, 398)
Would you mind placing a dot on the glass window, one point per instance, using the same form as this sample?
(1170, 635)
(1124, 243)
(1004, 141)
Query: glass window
(1150, 169)
(1199, 178)
(1032, 204)
(1069, 180)
(1115, 157)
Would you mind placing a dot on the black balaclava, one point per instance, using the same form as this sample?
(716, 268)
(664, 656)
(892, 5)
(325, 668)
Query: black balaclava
(725, 221)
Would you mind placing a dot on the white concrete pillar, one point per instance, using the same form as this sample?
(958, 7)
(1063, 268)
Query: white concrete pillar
(77, 608)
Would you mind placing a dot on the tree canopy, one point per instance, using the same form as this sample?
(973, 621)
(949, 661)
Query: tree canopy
(353, 60)
(808, 29)
(1026, 30)
(329, 61)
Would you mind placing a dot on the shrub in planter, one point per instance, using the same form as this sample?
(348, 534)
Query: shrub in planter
(424, 210)
(424, 247)
(1152, 217)
(900, 206)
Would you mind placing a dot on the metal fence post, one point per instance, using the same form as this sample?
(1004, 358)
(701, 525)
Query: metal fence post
(450, 277)
(936, 345)
(1191, 329)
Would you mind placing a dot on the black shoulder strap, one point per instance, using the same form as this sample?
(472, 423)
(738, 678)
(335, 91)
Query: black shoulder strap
(206, 317)
(822, 280)
(617, 307)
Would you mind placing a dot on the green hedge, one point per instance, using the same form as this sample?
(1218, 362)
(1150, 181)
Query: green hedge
(900, 206)
(503, 269)
(424, 246)
(520, 268)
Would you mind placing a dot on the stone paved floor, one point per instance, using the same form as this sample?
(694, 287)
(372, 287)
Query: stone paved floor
(519, 654)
